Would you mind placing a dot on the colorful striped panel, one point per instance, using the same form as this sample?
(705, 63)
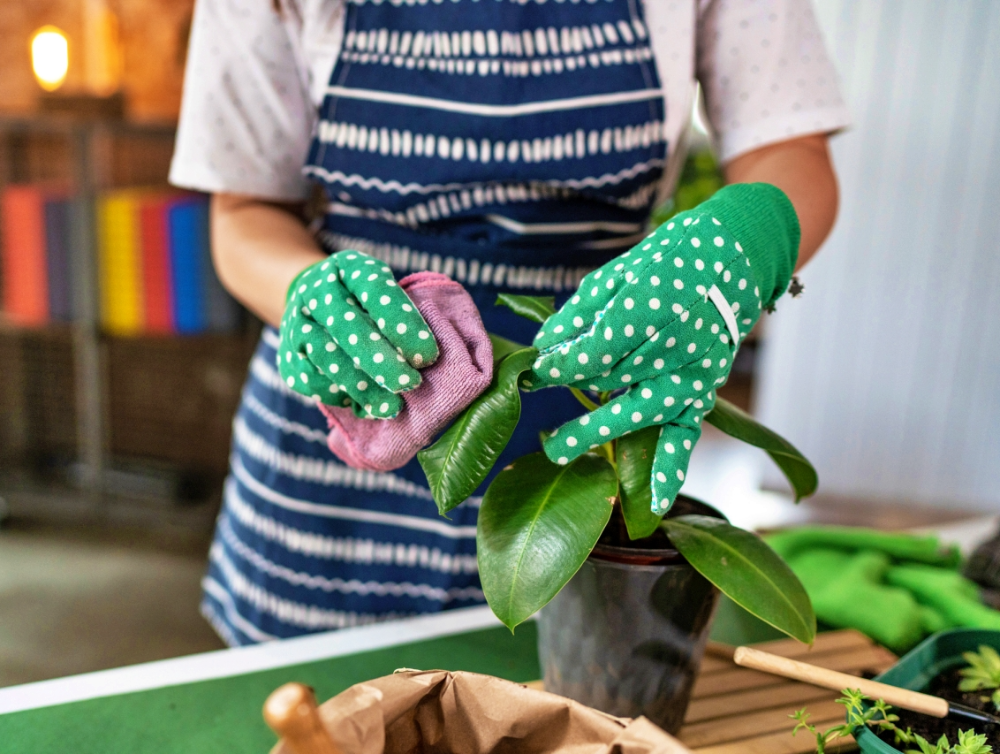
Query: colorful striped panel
(25, 277)
(119, 263)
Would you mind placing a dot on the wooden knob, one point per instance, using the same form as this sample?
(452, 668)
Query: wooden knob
(291, 712)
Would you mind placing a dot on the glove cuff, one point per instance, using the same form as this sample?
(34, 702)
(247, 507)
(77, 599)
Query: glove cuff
(764, 222)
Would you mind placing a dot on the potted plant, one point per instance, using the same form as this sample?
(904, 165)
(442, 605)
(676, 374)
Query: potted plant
(629, 594)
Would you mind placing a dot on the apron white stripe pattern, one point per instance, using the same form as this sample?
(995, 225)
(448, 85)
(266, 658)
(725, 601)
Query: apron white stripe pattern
(512, 145)
(494, 111)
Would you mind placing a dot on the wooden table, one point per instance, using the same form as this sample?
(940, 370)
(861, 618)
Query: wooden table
(740, 711)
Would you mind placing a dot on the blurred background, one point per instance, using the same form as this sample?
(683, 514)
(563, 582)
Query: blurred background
(122, 357)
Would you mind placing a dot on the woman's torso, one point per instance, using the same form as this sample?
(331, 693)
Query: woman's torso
(509, 171)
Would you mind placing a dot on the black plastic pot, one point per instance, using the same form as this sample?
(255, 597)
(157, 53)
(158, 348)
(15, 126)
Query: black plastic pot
(627, 633)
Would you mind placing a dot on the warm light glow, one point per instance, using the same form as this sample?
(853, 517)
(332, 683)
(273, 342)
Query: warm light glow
(50, 57)
(101, 48)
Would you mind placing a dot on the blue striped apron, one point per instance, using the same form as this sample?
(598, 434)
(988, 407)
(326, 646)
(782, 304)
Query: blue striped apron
(511, 144)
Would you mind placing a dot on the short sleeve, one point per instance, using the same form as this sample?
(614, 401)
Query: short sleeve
(765, 73)
(246, 117)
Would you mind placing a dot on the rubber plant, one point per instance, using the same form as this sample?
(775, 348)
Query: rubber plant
(539, 521)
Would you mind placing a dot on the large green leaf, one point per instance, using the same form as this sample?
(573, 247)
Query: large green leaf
(538, 523)
(463, 456)
(502, 348)
(746, 570)
(634, 458)
(739, 424)
(535, 308)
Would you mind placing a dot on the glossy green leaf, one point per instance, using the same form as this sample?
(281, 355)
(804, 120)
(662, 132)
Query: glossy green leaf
(502, 347)
(739, 424)
(538, 523)
(634, 458)
(463, 456)
(746, 570)
(535, 308)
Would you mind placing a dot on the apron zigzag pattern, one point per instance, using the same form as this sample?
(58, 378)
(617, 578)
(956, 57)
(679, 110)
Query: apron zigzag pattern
(473, 272)
(350, 550)
(273, 419)
(352, 586)
(288, 611)
(571, 145)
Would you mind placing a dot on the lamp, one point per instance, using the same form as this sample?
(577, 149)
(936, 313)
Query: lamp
(50, 57)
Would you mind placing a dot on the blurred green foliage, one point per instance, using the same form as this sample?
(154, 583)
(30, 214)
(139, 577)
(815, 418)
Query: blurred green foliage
(700, 178)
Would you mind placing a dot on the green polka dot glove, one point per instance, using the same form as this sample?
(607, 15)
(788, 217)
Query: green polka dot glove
(351, 337)
(664, 321)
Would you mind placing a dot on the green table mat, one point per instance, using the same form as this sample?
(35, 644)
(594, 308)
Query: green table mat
(224, 715)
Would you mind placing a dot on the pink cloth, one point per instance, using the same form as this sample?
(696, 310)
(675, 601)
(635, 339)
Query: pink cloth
(461, 373)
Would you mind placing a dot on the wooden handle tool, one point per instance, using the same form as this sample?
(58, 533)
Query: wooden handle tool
(291, 712)
(832, 679)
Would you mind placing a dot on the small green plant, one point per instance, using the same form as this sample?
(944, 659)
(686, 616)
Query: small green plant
(879, 716)
(983, 673)
(539, 521)
(969, 742)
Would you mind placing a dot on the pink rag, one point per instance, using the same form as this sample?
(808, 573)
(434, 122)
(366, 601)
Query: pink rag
(461, 373)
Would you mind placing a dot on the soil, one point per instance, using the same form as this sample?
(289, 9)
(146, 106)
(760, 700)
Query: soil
(945, 686)
(616, 534)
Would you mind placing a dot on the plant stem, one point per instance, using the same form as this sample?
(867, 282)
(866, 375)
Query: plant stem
(609, 446)
(617, 523)
(608, 451)
(584, 400)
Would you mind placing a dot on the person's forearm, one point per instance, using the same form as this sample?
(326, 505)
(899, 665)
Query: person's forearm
(803, 170)
(258, 248)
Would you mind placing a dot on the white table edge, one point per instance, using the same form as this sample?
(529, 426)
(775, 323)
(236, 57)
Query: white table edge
(225, 663)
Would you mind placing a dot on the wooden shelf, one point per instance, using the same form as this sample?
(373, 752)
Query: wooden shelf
(91, 155)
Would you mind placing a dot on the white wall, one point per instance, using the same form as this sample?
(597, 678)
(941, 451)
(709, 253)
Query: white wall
(886, 373)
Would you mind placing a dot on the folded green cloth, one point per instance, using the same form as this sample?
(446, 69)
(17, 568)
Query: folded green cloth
(895, 588)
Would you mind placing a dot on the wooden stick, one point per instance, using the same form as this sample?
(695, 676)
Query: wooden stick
(292, 713)
(831, 679)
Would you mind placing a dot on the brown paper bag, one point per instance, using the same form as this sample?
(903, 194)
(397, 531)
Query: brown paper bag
(439, 712)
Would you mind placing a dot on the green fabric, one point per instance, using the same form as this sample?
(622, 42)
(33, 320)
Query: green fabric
(951, 595)
(896, 588)
(650, 321)
(900, 546)
(350, 336)
(763, 219)
(225, 715)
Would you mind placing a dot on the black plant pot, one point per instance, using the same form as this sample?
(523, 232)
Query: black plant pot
(627, 633)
